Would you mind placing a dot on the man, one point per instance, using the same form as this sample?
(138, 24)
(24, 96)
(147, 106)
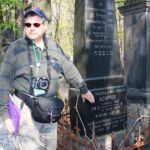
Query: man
(27, 60)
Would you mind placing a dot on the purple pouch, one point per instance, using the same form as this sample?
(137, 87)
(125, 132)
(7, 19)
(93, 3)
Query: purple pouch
(14, 113)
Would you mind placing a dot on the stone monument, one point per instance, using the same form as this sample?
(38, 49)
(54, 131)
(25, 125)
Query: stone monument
(137, 61)
(137, 56)
(96, 55)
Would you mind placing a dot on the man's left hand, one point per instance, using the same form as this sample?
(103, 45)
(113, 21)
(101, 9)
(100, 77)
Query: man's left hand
(88, 96)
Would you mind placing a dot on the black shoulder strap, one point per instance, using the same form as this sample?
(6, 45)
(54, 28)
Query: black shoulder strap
(48, 64)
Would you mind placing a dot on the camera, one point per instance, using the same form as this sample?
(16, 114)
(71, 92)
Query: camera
(40, 83)
(39, 86)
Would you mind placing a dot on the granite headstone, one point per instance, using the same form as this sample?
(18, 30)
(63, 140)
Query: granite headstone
(96, 55)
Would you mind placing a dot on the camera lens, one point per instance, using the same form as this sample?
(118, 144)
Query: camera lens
(43, 83)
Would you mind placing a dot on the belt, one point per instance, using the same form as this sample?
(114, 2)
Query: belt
(23, 95)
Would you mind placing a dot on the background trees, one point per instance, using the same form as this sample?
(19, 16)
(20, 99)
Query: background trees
(8, 14)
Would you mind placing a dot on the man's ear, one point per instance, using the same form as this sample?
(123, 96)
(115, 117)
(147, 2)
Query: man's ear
(46, 25)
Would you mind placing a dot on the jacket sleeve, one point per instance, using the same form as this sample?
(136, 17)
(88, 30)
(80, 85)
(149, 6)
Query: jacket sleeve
(72, 74)
(6, 70)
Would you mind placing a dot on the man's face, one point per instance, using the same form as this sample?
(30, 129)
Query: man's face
(34, 28)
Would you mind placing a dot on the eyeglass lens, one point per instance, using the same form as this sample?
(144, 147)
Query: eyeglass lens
(34, 24)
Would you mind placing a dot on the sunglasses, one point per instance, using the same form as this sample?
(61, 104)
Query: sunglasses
(34, 24)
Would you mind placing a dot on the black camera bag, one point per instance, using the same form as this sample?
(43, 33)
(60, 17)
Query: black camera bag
(43, 109)
(47, 110)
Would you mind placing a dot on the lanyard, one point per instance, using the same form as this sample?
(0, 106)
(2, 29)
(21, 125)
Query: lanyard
(38, 58)
(47, 58)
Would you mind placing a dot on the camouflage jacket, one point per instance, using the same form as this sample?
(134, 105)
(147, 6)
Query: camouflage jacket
(15, 72)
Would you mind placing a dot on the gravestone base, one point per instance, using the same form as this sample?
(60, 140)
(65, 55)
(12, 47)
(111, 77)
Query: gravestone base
(138, 96)
(105, 142)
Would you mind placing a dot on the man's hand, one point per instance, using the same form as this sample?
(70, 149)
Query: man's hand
(88, 96)
(9, 126)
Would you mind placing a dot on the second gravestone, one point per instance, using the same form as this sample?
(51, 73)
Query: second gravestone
(96, 55)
